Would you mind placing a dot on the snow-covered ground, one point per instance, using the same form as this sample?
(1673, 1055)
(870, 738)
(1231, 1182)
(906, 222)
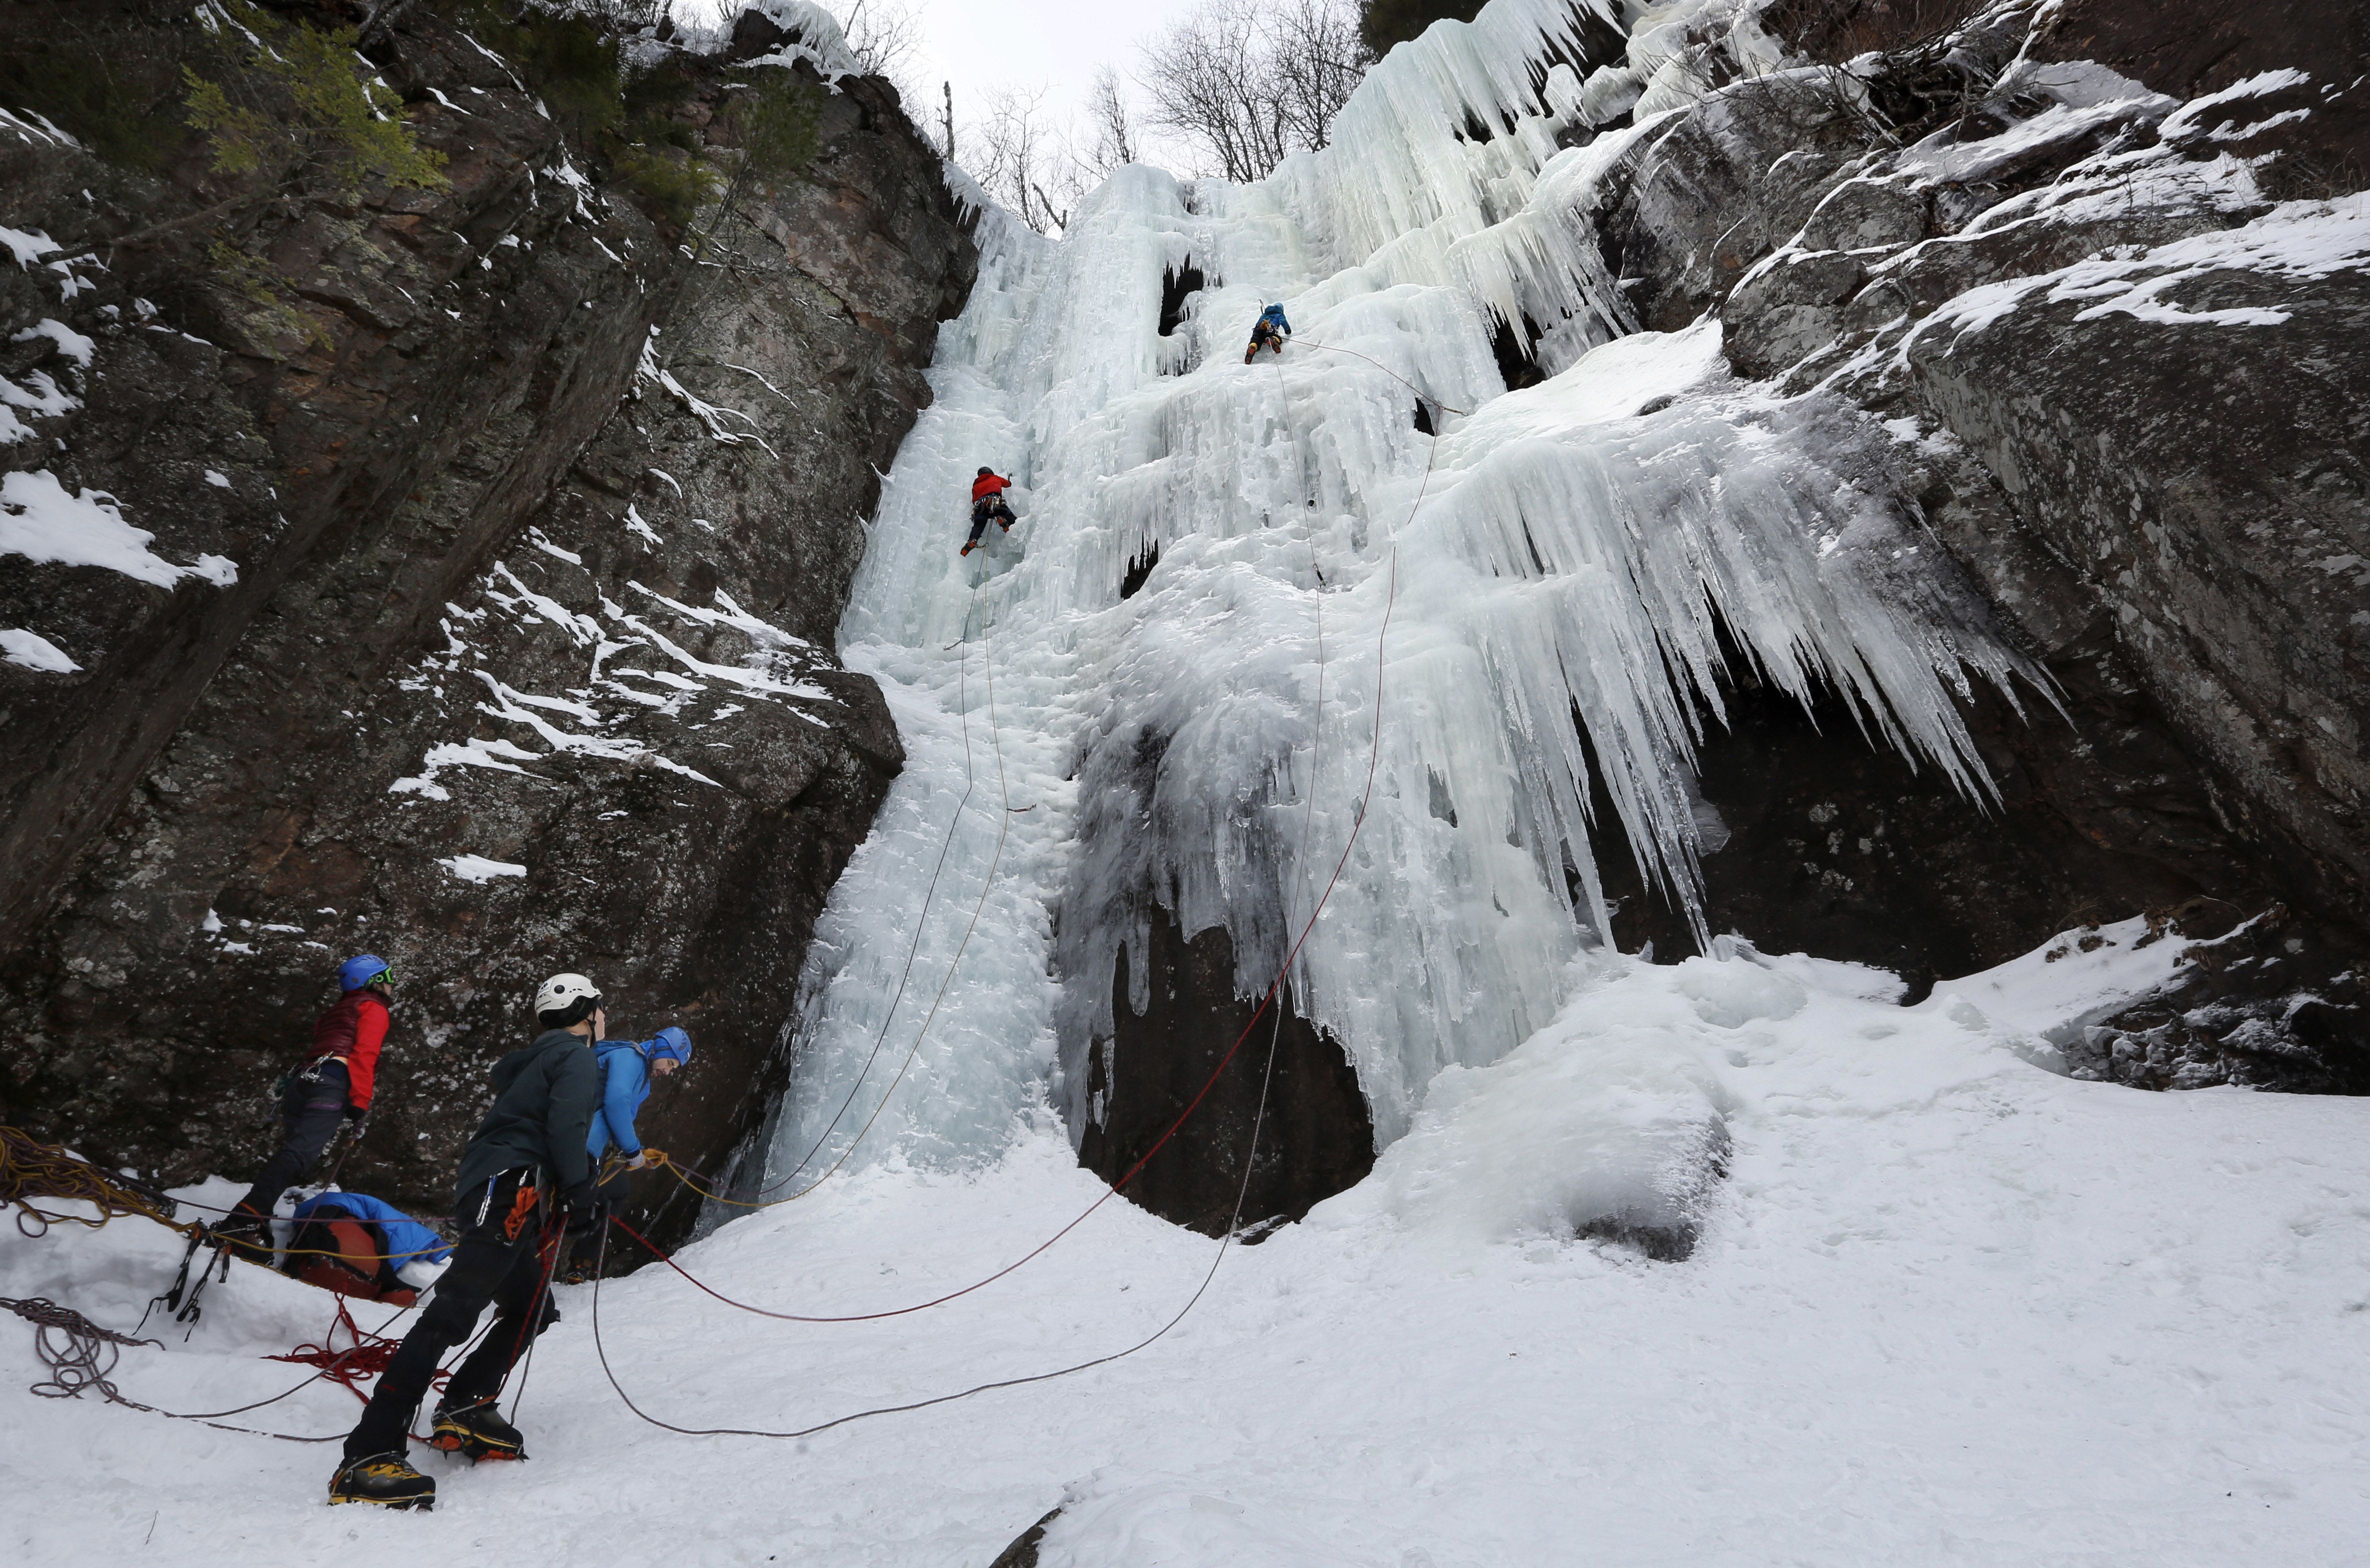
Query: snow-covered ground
(1948, 1307)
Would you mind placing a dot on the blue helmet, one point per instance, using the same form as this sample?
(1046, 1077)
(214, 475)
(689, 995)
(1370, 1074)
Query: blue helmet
(357, 973)
(672, 1043)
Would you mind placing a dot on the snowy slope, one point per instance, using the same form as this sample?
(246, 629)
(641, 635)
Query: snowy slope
(1949, 1308)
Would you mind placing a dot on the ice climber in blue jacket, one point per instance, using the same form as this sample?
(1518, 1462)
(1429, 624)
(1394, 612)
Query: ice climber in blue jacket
(627, 1066)
(1268, 332)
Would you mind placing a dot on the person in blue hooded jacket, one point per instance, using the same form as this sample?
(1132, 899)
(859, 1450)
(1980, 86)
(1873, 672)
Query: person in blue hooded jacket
(1268, 332)
(626, 1068)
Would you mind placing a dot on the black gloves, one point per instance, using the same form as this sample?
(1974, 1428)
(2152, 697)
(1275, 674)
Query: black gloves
(583, 1201)
(360, 1117)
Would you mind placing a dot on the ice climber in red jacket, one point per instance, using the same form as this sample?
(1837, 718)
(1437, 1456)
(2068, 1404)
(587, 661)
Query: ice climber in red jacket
(331, 1083)
(987, 501)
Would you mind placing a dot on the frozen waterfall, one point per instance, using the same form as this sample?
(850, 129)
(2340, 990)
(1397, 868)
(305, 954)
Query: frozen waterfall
(1567, 559)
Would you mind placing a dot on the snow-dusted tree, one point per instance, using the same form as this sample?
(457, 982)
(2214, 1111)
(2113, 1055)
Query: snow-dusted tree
(1243, 83)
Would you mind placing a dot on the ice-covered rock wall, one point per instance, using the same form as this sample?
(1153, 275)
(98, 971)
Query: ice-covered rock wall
(1562, 569)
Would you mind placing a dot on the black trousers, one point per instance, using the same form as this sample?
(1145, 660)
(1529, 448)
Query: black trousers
(994, 508)
(503, 1258)
(309, 1113)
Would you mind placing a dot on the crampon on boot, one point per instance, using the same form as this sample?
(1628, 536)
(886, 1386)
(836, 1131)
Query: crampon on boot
(387, 1480)
(243, 1230)
(967, 547)
(476, 1431)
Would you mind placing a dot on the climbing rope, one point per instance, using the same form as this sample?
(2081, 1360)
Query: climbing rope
(995, 737)
(362, 1360)
(31, 1169)
(1387, 370)
(83, 1356)
(1373, 764)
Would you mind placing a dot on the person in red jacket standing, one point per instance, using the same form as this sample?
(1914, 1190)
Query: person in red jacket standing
(331, 1084)
(987, 502)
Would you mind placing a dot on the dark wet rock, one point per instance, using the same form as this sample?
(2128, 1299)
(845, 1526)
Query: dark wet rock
(529, 664)
(2169, 514)
(2274, 1001)
(1758, 158)
(1022, 1553)
(1315, 1134)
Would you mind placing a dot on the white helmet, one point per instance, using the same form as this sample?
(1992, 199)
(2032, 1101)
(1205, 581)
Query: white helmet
(562, 993)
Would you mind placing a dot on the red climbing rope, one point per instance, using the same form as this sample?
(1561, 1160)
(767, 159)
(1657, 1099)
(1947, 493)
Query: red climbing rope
(360, 1361)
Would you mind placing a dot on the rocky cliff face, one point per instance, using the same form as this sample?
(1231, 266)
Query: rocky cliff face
(2081, 257)
(534, 515)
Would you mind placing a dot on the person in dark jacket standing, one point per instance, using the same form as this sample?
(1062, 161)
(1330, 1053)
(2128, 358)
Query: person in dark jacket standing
(531, 1141)
(332, 1085)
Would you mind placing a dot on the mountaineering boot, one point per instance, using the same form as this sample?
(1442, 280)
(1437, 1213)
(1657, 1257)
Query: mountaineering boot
(387, 1480)
(969, 545)
(476, 1431)
(246, 1230)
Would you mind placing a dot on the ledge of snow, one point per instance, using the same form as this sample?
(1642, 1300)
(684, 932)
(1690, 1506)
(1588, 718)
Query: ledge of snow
(40, 520)
(34, 651)
(478, 869)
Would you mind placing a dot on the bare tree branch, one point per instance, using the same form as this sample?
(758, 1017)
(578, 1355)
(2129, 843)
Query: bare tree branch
(1023, 155)
(1245, 84)
(1115, 144)
(882, 35)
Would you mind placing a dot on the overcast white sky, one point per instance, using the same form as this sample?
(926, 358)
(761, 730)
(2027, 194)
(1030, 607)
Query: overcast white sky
(980, 45)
